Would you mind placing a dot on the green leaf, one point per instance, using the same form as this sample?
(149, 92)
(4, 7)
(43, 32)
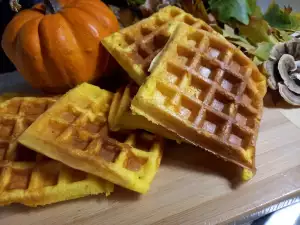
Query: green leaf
(281, 19)
(295, 22)
(263, 50)
(231, 9)
(255, 9)
(252, 5)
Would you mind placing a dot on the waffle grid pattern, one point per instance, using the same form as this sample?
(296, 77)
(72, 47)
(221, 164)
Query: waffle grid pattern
(121, 116)
(210, 86)
(79, 130)
(136, 46)
(28, 177)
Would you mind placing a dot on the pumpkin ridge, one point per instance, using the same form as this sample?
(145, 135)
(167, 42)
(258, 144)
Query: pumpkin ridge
(49, 63)
(75, 77)
(10, 47)
(71, 72)
(25, 54)
(18, 50)
(102, 55)
(47, 79)
(78, 42)
(106, 23)
(69, 4)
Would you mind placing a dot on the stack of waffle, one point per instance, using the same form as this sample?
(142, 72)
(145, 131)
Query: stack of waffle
(56, 149)
(188, 84)
(195, 86)
(75, 131)
(28, 177)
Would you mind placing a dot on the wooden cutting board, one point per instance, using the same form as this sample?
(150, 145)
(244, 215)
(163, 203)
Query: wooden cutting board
(191, 187)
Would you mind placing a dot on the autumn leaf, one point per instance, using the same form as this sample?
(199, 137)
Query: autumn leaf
(228, 33)
(288, 9)
(188, 6)
(231, 9)
(296, 15)
(252, 5)
(136, 2)
(196, 8)
(295, 23)
(200, 10)
(257, 61)
(275, 96)
(282, 19)
(281, 35)
(255, 9)
(256, 31)
(277, 17)
(247, 46)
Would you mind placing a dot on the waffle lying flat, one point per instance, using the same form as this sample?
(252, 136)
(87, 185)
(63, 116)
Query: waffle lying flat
(75, 132)
(208, 92)
(30, 178)
(135, 47)
(121, 117)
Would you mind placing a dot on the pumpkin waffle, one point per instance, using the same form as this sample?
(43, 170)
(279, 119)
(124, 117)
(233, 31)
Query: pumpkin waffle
(75, 132)
(136, 46)
(30, 178)
(121, 117)
(208, 92)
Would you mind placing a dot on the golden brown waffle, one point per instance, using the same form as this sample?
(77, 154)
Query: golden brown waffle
(75, 132)
(121, 117)
(208, 92)
(136, 46)
(30, 178)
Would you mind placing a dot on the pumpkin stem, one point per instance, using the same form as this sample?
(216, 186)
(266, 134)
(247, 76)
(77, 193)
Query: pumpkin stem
(15, 5)
(52, 6)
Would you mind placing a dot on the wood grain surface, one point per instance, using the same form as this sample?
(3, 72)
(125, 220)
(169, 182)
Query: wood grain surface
(191, 187)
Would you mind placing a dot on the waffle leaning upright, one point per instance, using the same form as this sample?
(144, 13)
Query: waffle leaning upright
(208, 92)
(136, 46)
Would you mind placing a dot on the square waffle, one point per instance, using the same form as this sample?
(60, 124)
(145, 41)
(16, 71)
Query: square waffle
(121, 117)
(75, 132)
(30, 178)
(208, 92)
(135, 47)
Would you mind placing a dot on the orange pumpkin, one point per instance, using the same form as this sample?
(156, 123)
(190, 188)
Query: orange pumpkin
(56, 45)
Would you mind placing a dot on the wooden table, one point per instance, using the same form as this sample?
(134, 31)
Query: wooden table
(191, 187)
